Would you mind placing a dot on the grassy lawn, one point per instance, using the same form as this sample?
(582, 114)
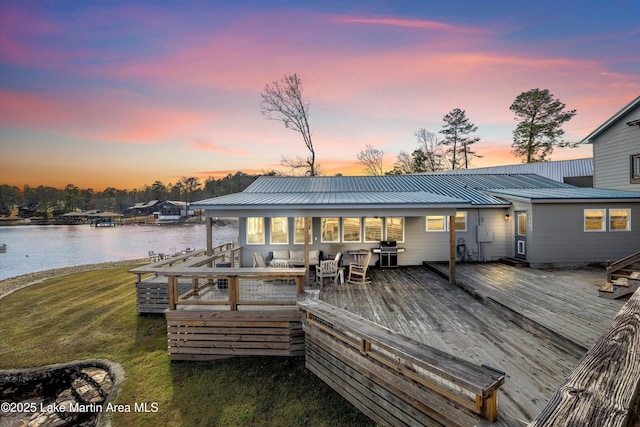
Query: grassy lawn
(93, 315)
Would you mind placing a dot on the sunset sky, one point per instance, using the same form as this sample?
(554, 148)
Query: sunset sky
(124, 93)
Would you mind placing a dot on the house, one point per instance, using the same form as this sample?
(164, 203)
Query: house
(578, 172)
(430, 216)
(172, 211)
(142, 208)
(616, 150)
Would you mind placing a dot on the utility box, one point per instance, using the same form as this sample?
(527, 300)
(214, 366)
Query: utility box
(484, 235)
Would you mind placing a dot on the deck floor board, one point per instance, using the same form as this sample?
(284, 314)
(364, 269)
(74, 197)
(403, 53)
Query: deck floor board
(422, 305)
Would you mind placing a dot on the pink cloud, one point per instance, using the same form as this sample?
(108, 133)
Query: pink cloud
(407, 23)
(202, 145)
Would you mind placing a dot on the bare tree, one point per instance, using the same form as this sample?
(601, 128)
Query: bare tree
(432, 157)
(282, 101)
(371, 159)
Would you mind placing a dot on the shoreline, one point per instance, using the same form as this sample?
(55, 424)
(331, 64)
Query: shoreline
(12, 284)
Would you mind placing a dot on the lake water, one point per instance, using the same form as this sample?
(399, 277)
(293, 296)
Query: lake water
(36, 248)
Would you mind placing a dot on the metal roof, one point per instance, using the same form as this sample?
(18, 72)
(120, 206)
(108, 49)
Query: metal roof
(568, 194)
(556, 170)
(407, 191)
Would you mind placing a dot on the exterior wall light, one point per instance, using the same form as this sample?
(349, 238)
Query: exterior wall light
(506, 217)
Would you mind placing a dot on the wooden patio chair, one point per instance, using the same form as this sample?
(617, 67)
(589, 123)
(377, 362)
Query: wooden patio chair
(327, 268)
(279, 263)
(358, 272)
(258, 260)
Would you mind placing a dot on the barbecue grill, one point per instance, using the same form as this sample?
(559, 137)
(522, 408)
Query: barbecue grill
(388, 254)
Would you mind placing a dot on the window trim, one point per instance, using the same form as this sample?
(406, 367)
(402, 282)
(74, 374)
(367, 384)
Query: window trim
(359, 230)
(604, 220)
(271, 230)
(247, 231)
(364, 227)
(634, 170)
(339, 235)
(445, 220)
(404, 224)
(310, 230)
(628, 220)
(444, 224)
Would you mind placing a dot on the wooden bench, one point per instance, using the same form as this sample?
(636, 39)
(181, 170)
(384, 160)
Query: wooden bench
(391, 378)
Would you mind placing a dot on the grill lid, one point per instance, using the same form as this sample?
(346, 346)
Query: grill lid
(388, 244)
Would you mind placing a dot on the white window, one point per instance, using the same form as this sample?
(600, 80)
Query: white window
(255, 231)
(395, 229)
(351, 230)
(594, 220)
(298, 225)
(372, 229)
(635, 169)
(436, 223)
(461, 221)
(330, 230)
(441, 222)
(619, 219)
(280, 230)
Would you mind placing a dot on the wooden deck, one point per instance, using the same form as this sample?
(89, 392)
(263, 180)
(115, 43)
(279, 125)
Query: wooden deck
(421, 304)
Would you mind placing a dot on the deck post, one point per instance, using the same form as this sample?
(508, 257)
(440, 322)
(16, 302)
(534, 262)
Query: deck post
(307, 225)
(233, 292)
(172, 292)
(452, 249)
(209, 223)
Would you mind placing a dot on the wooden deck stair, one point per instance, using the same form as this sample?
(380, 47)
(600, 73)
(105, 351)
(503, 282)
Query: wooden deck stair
(623, 277)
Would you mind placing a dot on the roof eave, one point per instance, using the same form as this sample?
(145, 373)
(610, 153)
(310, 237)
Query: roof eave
(589, 139)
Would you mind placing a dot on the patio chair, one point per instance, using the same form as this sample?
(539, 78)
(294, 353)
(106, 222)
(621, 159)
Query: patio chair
(358, 272)
(279, 263)
(258, 260)
(327, 268)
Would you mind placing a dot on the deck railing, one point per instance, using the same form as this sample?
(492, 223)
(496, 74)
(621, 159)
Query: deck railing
(234, 287)
(392, 378)
(603, 389)
(612, 267)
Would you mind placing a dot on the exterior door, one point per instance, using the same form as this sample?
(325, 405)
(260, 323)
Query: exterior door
(521, 234)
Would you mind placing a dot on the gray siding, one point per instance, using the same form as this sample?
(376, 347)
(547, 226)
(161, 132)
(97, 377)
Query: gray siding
(611, 153)
(558, 230)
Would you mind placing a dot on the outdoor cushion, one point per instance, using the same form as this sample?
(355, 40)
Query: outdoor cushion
(281, 255)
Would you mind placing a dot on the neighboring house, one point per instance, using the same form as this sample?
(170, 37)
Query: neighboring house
(578, 172)
(172, 211)
(496, 215)
(616, 150)
(143, 209)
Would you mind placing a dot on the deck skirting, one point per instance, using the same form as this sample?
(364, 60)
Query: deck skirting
(212, 335)
(152, 294)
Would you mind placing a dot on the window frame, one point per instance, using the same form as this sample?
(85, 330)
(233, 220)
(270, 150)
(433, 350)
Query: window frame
(338, 234)
(628, 228)
(445, 223)
(359, 219)
(634, 172)
(286, 223)
(262, 223)
(604, 220)
(364, 226)
(295, 219)
(386, 228)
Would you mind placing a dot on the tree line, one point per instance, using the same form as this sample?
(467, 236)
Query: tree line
(49, 201)
(538, 132)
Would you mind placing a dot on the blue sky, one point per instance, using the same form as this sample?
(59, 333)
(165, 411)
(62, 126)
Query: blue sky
(125, 93)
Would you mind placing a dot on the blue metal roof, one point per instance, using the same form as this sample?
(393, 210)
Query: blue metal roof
(567, 194)
(556, 170)
(420, 191)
